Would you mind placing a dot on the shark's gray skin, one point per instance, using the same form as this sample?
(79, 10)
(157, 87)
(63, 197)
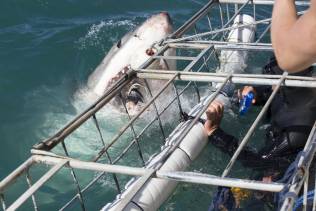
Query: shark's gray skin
(130, 52)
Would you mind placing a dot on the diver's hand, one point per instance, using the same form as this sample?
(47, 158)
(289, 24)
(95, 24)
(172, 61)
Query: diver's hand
(214, 115)
(245, 90)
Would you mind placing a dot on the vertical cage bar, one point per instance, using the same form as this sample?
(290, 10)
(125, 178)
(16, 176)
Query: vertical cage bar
(117, 184)
(178, 100)
(195, 85)
(209, 21)
(227, 11)
(96, 122)
(195, 30)
(221, 16)
(80, 197)
(2, 201)
(133, 131)
(305, 191)
(205, 63)
(254, 10)
(197, 91)
(156, 110)
(314, 198)
(29, 182)
(263, 33)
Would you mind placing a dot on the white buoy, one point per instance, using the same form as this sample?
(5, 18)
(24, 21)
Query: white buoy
(233, 61)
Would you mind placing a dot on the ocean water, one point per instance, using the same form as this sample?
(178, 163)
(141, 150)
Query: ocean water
(48, 48)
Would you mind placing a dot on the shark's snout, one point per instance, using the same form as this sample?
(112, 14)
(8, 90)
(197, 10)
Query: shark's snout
(166, 14)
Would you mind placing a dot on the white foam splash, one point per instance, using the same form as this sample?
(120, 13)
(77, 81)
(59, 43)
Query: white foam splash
(98, 33)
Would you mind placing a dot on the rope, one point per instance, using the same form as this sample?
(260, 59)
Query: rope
(185, 117)
(299, 201)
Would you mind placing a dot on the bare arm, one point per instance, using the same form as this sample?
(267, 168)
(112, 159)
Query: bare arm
(293, 38)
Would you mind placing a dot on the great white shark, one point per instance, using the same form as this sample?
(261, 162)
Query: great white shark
(131, 52)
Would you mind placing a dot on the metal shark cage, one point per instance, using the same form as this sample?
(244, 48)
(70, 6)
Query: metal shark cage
(204, 33)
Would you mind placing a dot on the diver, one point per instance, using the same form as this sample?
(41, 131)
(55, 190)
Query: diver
(291, 115)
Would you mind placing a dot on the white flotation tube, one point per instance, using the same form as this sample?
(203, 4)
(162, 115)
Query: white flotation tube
(233, 60)
(156, 191)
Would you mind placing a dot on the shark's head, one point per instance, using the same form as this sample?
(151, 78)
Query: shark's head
(130, 52)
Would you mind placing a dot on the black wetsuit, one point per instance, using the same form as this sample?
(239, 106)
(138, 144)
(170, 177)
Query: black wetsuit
(292, 114)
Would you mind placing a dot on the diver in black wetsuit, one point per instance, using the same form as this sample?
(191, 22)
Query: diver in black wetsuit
(292, 114)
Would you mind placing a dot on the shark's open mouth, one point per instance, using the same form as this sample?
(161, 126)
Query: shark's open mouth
(134, 95)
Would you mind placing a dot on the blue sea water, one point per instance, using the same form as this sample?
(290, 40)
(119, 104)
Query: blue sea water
(48, 48)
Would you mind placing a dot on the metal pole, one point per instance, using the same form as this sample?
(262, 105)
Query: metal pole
(209, 21)
(201, 44)
(200, 178)
(264, 33)
(178, 100)
(95, 120)
(29, 182)
(254, 79)
(181, 176)
(80, 197)
(217, 31)
(107, 154)
(134, 132)
(305, 191)
(2, 202)
(156, 111)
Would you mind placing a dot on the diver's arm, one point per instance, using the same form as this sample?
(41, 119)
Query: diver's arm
(229, 144)
(293, 38)
(223, 141)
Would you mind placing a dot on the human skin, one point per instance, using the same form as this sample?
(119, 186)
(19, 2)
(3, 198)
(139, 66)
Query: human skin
(293, 37)
(214, 114)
